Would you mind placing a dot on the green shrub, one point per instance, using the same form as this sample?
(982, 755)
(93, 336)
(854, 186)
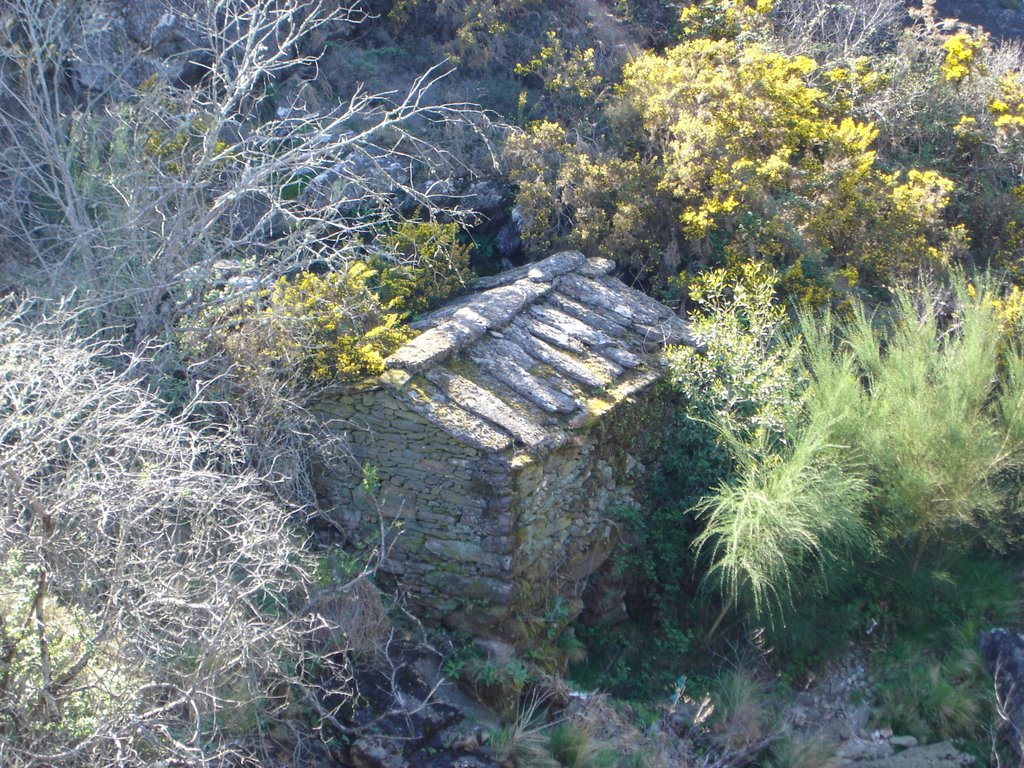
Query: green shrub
(917, 393)
(788, 522)
(423, 263)
(744, 720)
(43, 640)
(802, 751)
(337, 325)
(933, 692)
(892, 437)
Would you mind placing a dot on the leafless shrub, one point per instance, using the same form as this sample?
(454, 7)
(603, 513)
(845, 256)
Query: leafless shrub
(357, 614)
(840, 31)
(131, 197)
(154, 598)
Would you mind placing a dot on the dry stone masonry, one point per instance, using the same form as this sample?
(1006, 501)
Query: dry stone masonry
(503, 436)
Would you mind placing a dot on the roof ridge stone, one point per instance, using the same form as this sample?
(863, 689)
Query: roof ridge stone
(493, 306)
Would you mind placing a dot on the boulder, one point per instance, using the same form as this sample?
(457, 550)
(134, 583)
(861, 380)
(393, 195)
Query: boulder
(1003, 19)
(485, 196)
(376, 752)
(508, 243)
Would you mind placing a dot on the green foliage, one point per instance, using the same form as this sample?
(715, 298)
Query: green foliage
(745, 379)
(744, 718)
(892, 435)
(338, 325)
(477, 34)
(424, 264)
(920, 402)
(930, 678)
(787, 522)
(724, 148)
(793, 751)
(43, 642)
(574, 745)
(496, 679)
(521, 740)
(692, 461)
(935, 695)
(632, 661)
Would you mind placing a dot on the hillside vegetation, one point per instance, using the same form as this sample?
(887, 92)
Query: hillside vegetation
(214, 211)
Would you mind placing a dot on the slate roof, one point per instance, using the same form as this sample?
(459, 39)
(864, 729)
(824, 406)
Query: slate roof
(534, 354)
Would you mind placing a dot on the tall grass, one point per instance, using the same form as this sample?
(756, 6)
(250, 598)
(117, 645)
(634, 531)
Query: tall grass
(918, 396)
(911, 421)
(787, 520)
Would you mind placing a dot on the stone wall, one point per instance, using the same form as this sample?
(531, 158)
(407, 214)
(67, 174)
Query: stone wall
(504, 436)
(494, 544)
(566, 504)
(444, 537)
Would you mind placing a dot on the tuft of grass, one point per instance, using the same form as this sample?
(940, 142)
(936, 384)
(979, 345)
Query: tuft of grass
(802, 751)
(574, 745)
(522, 742)
(934, 695)
(744, 720)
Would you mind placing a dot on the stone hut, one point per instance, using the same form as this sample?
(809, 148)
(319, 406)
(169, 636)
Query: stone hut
(504, 436)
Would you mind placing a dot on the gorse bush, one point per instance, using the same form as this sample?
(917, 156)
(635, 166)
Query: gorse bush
(313, 328)
(725, 147)
(745, 378)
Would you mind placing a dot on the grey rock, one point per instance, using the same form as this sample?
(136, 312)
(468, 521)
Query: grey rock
(858, 750)
(171, 34)
(99, 56)
(485, 196)
(941, 755)
(480, 401)
(1002, 21)
(376, 752)
(508, 242)
(1003, 652)
(903, 742)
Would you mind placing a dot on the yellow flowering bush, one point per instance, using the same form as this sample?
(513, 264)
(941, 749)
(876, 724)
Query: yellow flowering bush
(961, 56)
(1008, 106)
(310, 327)
(563, 70)
(338, 325)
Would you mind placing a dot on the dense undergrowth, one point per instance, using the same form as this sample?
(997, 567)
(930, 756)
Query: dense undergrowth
(832, 191)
